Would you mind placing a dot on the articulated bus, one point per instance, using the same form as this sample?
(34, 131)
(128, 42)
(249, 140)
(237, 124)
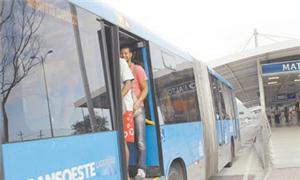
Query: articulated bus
(61, 110)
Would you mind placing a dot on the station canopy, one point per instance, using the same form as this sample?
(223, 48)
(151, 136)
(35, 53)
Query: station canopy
(241, 69)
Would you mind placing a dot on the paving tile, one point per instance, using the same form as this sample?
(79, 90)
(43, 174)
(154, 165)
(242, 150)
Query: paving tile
(285, 174)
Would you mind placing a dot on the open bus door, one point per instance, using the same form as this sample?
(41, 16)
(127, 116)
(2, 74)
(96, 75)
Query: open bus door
(109, 47)
(109, 38)
(154, 159)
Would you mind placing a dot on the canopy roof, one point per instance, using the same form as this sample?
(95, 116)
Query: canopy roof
(240, 69)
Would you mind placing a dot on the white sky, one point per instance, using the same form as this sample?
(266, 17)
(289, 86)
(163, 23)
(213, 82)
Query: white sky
(210, 29)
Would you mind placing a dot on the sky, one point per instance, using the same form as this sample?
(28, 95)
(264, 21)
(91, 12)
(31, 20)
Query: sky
(210, 29)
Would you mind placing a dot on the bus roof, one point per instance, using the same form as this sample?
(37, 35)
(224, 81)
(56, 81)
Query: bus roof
(220, 78)
(113, 16)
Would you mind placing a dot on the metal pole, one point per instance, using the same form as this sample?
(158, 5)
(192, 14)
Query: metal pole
(83, 70)
(261, 87)
(47, 96)
(255, 38)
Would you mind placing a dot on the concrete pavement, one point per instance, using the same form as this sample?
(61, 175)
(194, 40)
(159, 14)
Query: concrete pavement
(247, 165)
(285, 153)
(285, 147)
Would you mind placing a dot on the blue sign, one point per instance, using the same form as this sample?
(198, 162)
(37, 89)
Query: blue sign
(282, 67)
(291, 96)
(91, 156)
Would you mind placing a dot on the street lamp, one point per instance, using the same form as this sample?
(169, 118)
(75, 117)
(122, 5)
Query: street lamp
(42, 59)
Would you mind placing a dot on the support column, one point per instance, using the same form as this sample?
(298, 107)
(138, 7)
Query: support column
(261, 88)
(262, 143)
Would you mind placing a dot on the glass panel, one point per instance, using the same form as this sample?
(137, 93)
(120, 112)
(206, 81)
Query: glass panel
(175, 88)
(218, 108)
(215, 95)
(224, 113)
(45, 94)
(88, 27)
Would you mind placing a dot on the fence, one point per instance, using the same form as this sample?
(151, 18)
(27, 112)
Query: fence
(262, 141)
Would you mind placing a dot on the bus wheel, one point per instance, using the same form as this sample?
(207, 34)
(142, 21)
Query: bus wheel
(177, 171)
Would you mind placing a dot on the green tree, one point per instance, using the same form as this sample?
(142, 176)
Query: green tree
(84, 126)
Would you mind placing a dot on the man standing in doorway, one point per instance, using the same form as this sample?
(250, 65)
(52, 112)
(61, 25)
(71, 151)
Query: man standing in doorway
(140, 89)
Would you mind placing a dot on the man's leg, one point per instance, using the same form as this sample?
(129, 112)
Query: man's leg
(127, 154)
(140, 131)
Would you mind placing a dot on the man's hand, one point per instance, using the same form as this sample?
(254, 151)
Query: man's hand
(137, 105)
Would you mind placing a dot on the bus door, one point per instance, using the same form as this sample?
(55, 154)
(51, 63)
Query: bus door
(109, 46)
(154, 165)
(223, 117)
(219, 110)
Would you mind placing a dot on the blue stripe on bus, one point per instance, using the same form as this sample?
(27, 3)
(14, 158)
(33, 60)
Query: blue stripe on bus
(95, 155)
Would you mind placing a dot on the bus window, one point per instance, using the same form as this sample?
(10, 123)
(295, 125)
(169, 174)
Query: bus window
(177, 96)
(50, 100)
(94, 69)
(215, 96)
(224, 111)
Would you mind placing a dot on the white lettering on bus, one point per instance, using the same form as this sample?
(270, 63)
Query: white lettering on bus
(81, 172)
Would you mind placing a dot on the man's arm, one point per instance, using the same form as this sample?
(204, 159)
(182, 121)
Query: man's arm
(126, 88)
(144, 92)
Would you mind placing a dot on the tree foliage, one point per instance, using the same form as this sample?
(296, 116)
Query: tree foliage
(84, 126)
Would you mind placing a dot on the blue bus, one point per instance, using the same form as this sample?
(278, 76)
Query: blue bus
(61, 110)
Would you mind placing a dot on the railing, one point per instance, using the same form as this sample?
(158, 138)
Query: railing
(262, 141)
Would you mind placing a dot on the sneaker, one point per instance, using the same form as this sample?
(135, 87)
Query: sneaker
(140, 174)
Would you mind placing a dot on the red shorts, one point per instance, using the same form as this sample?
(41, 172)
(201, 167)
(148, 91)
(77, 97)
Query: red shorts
(128, 126)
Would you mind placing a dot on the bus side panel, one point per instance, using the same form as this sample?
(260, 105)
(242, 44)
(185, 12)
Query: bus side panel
(225, 149)
(229, 130)
(185, 141)
(90, 156)
(219, 131)
(226, 130)
(151, 146)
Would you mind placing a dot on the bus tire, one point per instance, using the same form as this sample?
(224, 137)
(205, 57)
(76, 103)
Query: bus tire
(177, 171)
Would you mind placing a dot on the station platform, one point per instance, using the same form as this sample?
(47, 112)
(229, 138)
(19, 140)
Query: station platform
(246, 165)
(285, 157)
(285, 154)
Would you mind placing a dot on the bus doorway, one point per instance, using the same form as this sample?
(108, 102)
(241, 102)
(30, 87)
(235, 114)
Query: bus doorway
(140, 60)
